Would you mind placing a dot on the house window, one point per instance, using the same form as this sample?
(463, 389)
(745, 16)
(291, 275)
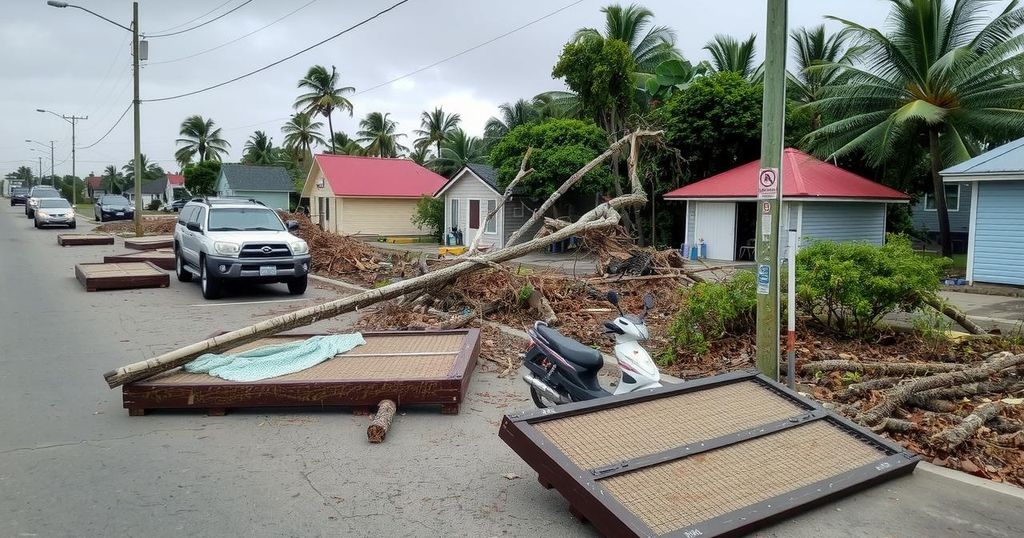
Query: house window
(517, 211)
(453, 219)
(492, 224)
(952, 199)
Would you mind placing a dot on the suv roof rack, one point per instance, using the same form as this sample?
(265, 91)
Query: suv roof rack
(210, 200)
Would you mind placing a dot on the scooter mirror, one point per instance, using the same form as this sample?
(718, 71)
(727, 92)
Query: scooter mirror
(648, 301)
(613, 297)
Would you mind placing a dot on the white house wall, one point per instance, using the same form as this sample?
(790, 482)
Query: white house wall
(465, 188)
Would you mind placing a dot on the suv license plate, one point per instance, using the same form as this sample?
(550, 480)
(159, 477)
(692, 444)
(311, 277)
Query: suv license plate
(268, 270)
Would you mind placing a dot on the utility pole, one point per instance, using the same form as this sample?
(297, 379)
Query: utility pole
(73, 120)
(769, 190)
(52, 175)
(41, 171)
(135, 106)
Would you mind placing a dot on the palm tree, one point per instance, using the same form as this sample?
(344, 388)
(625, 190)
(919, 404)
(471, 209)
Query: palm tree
(302, 134)
(150, 170)
(435, 127)
(510, 116)
(324, 95)
(731, 54)
(112, 179)
(557, 104)
(818, 57)
(420, 155)
(940, 78)
(343, 145)
(627, 24)
(259, 149)
(379, 135)
(200, 139)
(457, 151)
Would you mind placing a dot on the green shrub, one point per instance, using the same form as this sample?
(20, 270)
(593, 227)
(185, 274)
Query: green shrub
(154, 204)
(713, 309)
(849, 287)
(429, 216)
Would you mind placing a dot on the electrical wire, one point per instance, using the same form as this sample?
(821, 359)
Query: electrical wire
(282, 60)
(190, 21)
(123, 114)
(239, 38)
(200, 25)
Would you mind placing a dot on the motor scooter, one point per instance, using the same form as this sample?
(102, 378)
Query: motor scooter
(562, 370)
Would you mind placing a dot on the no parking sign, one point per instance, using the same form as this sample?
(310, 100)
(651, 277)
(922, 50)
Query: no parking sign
(767, 183)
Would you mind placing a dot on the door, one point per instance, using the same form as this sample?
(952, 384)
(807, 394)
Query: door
(715, 223)
(473, 226)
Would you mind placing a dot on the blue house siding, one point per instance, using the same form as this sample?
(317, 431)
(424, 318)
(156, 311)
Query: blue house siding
(998, 233)
(959, 220)
(844, 221)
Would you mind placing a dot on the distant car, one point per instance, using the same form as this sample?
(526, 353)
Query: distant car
(54, 212)
(19, 195)
(113, 207)
(175, 206)
(37, 193)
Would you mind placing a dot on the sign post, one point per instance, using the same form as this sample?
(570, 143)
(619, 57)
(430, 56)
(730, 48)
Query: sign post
(769, 191)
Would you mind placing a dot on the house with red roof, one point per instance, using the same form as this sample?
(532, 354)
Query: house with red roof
(820, 202)
(367, 196)
(94, 186)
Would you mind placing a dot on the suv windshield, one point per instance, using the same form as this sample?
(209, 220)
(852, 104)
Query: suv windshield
(237, 219)
(54, 202)
(45, 193)
(114, 200)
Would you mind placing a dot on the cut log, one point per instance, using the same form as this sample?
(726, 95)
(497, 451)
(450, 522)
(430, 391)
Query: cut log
(955, 436)
(900, 395)
(884, 368)
(1010, 384)
(600, 217)
(894, 425)
(953, 313)
(860, 389)
(381, 422)
(539, 304)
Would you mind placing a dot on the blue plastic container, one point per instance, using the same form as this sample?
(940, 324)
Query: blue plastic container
(703, 251)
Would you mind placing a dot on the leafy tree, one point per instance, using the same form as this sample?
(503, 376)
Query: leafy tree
(560, 148)
(436, 127)
(200, 139)
(201, 177)
(301, 135)
(941, 77)
(732, 55)
(458, 150)
(429, 215)
(669, 77)
(324, 95)
(420, 155)
(627, 24)
(113, 180)
(715, 123)
(601, 74)
(380, 135)
(343, 145)
(23, 174)
(818, 60)
(150, 171)
(259, 150)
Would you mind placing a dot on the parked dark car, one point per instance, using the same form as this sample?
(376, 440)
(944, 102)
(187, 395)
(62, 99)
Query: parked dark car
(178, 204)
(38, 193)
(19, 195)
(113, 207)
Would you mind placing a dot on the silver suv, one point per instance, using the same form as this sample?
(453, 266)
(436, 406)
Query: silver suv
(233, 239)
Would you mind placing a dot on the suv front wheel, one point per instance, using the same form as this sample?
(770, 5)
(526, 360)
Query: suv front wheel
(209, 283)
(297, 285)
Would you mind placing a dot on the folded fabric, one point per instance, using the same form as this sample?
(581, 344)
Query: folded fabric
(273, 361)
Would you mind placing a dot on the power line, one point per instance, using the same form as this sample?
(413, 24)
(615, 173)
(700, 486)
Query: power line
(200, 25)
(282, 60)
(470, 49)
(123, 114)
(190, 21)
(239, 38)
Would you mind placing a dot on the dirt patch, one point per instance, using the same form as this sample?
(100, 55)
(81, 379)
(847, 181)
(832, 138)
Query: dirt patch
(150, 226)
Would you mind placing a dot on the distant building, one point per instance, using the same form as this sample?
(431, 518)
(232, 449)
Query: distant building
(470, 195)
(268, 184)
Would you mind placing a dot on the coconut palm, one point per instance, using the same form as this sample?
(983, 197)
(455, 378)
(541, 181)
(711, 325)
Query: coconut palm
(259, 150)
(941, 77)
(510, 116)
(302, 134)
(343, 145)
(420, 155)
(628, 24)
(457, 151)
(113, 180)
(150, 170)
(435, 127)
(324, 95)
(731, 54)
(818, 61)
(379, 135)
(200, 139)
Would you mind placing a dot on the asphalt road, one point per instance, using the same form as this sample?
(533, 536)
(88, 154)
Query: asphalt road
(72, 463)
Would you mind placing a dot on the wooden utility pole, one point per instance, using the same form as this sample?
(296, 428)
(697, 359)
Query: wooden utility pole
(769, 190)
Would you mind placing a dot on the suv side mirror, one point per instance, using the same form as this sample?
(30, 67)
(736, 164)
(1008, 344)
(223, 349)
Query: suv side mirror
(292, 225)
(194, 226)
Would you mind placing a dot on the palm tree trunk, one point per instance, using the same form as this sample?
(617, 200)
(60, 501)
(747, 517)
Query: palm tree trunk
(939, 191)
(438, 149)
(330, 126)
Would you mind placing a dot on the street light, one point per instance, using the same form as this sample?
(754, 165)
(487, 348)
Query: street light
(52, 175)
(73, 120)
(134, 29)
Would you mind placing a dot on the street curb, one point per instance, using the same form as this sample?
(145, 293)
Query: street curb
(971, 480)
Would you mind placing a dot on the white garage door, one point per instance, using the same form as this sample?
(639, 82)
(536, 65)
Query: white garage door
(716, 223)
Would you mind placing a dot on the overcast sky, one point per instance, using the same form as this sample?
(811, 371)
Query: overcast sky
(70, 62)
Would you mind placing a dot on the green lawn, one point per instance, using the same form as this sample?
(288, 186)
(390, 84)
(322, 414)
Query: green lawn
(959, 262)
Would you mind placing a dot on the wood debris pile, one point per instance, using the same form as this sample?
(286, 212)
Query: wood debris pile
(617, 254)
(150, 226)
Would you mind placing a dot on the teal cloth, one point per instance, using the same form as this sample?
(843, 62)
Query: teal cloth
(273, 361)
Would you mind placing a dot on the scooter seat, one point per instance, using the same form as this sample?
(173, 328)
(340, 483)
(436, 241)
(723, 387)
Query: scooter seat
(586, 357)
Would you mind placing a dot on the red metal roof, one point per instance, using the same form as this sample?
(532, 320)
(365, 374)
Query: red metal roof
(374, 177)
(176, 179)
(803, 176)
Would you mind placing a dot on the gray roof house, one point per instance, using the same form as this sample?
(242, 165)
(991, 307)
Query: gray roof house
(268, 184)
(995, 181)
(469, 196)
